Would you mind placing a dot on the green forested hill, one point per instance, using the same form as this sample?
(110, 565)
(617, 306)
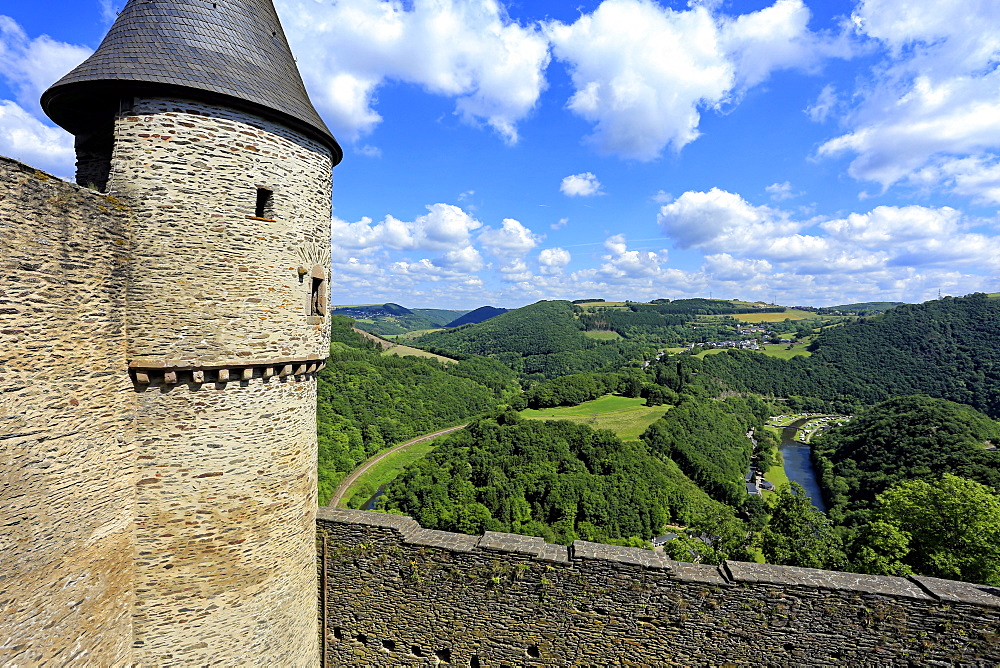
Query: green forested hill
(708, 441)
(440, 317)
(903, 439)
(566, 481)
(545, 338)
(480, 314)
(388, 319)
(949, 348)
(368, 401)
(861, 308)
(553, 479)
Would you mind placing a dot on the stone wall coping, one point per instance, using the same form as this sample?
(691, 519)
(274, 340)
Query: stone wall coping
(699, 573)
(495, 541)
(960, 592)
(404, 524)
(558, 554)
(445, 540)
(741, 571)
(581, 549)
(729, 573)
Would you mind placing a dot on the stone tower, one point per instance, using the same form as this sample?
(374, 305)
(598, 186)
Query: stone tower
(193, 116)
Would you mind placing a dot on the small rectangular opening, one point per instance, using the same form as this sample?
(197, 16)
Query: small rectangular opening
(317, 300)
(265, 203)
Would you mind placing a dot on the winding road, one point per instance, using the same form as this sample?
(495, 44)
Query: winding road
(372, 461)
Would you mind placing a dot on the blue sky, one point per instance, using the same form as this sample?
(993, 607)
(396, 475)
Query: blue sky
(795, 151)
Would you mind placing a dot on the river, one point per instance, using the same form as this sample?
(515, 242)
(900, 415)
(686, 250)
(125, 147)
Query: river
(798, 465)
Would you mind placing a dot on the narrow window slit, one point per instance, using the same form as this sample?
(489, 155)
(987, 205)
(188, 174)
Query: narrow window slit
(265, 203)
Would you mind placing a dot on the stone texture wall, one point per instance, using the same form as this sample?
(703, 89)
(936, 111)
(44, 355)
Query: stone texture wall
(395, 594)
(67, 459)
(213, 284)
(224, 351)
(225, 569)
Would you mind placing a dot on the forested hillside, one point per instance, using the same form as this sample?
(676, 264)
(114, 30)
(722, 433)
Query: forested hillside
(480, 314)
(553, 479)
(368, 401)
(708, 440)
(544, 338)
(912, 482)
(903, 439)
(566, 481)
(949, 348)
(388, 319)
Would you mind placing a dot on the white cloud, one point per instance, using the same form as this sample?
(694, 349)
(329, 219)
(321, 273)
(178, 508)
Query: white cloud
(553, 260)
(720, 221)
(867, 248)
(724, 267)
(580, 185)
(561, 223)
(780, 191)
(888, 226)
(976, 177)
(471, 51)
(512, 238)
(516, 272)
(29, 67)
(643, 73)
(109, 11)
(824, 105)
(23, 137)
(622, 263)
(934, 101)
(445, 227)
(774, 38)
(465, 260)
(32, 65)
(663, 197)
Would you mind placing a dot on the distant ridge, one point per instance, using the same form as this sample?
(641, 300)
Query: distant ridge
(481, 314)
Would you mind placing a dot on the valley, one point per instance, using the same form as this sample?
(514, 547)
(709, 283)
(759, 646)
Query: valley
(656, 409)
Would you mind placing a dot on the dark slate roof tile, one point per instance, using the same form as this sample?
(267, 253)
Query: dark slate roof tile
(238, 50)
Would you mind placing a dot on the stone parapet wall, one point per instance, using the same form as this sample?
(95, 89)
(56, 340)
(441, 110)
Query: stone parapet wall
(393, 593)
(67, 456)
(213, 283)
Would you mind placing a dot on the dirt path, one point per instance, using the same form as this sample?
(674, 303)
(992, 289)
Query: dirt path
(372, 461)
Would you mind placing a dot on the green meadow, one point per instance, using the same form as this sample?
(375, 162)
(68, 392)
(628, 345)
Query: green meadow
(625, 416)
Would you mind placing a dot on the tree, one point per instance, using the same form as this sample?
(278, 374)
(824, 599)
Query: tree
(879, 548)
(799, 534)
(954, 527)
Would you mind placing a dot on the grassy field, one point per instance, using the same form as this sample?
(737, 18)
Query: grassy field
(603, 336)
(403, 351)
(386, 470)
(791, 314)
(417, 332)
(628, 418)
(781, 350)
(711, 351)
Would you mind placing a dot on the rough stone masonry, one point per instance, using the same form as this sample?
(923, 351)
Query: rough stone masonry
(393, 593)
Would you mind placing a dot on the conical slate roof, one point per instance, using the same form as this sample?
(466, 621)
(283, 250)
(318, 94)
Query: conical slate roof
(229, 51)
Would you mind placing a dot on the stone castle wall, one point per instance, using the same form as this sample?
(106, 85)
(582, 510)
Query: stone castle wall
(67, 459)
(394, 594)
(214, 285)
(224, 347)
(225, 569)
